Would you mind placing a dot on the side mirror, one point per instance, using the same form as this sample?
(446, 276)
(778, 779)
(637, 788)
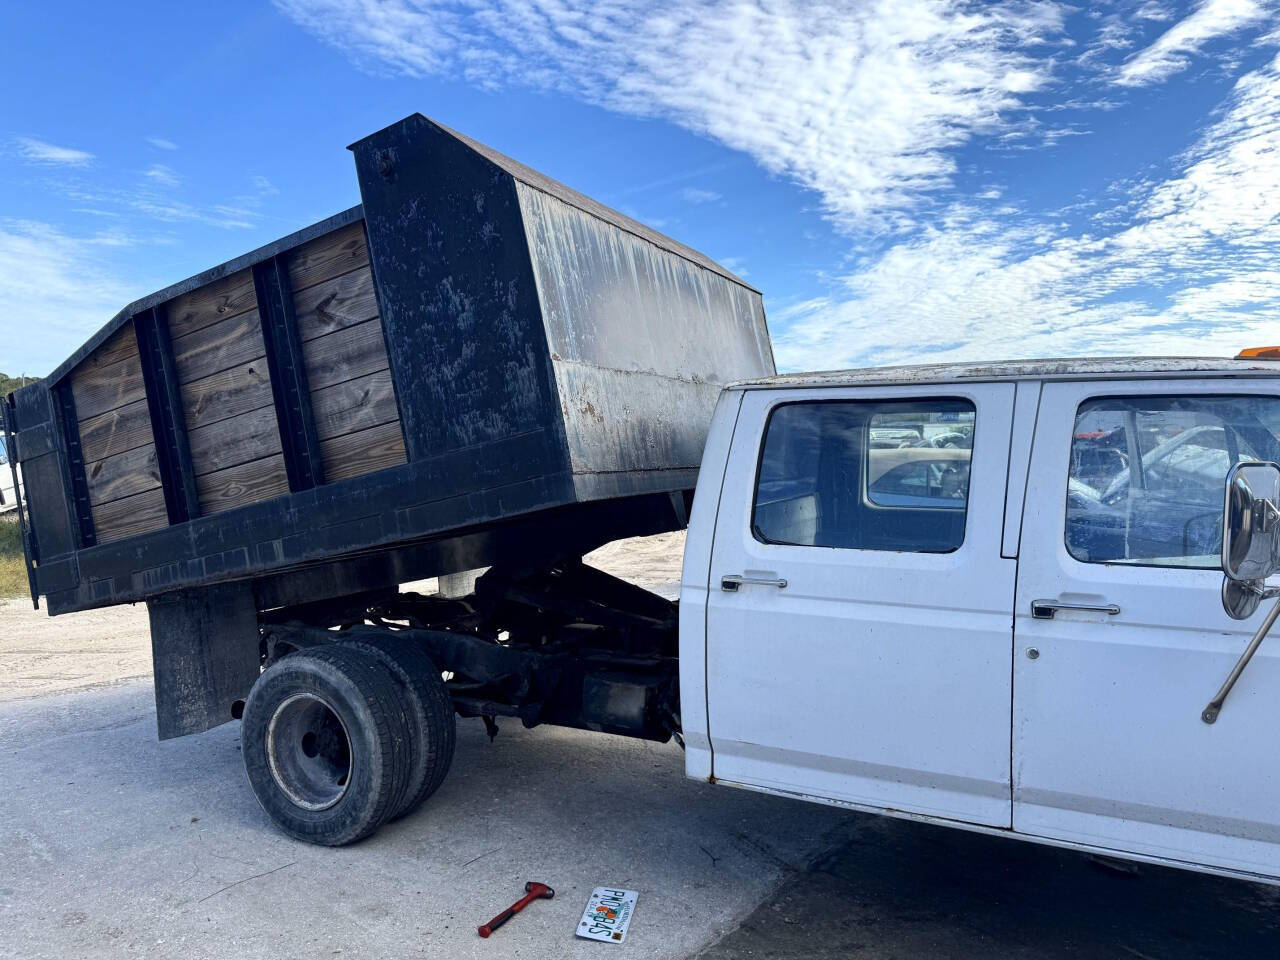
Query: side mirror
(1251, 522)
(1250, 554)
(1240, 598)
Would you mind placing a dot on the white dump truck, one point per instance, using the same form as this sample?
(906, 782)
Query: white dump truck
(986, 596)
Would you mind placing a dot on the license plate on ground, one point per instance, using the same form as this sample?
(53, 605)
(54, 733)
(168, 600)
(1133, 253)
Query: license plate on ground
(608, 914)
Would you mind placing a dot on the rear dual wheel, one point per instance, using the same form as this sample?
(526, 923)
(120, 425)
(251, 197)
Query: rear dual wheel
(341, 738)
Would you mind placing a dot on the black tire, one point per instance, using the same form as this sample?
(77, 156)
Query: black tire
(432, 724)
(325, 738)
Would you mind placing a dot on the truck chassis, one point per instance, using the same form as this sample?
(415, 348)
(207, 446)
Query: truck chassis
(566, 644)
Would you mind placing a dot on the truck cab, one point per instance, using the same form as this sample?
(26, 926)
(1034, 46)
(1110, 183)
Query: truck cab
(988, 596)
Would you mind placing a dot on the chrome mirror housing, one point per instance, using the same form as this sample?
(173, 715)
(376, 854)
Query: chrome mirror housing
(1250, 554)
(1251, 523)
(1240, 598)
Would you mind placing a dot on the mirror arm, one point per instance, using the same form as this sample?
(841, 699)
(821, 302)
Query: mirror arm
(1273, 511)
(1210, 713)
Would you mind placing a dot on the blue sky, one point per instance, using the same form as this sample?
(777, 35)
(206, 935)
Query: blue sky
(906, 181)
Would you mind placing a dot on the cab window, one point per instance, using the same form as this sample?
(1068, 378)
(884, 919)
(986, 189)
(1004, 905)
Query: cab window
(1147, 474)
(866, 476)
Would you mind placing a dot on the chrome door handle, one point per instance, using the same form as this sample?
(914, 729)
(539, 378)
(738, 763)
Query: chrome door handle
(731, 583)
(1045, 609)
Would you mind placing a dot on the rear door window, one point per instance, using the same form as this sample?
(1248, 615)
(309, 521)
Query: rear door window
(866, 475)
(1147, 474)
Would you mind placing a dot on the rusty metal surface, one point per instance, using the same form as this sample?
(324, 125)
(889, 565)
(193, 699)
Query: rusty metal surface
(641, 339)
(529, 177)
(1088, 368)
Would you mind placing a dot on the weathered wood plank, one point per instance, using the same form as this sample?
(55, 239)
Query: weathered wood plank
(130, 516)
(99, 389)
(116, 431)
(355, 405)
(242, 484)
(227, 394)
(213, 302)
(123, 475)
(363, 452)
(219, 346)
(121, 345)
(251, 436)
(334, 304)
(354, 352)
(329, 256)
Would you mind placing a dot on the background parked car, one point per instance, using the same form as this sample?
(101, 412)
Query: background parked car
(8, 498)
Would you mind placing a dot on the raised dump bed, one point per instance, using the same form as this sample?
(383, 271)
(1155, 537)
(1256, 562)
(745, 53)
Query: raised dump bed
(477, 360)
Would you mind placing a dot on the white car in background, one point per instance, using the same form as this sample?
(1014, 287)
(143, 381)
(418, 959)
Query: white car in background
(8, 498)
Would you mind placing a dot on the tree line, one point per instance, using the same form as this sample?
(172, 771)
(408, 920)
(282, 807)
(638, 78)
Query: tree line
(8, 384)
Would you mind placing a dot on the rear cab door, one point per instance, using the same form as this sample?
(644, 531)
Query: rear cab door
(1120, 633)
(859, 610)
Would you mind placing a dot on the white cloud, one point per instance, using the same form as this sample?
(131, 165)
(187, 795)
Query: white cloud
(1157, 12)
(698, 196)
(1172, 51)
(154, 196)
(264, 186)
(165, 176)
(57, 286)
(161, 143)
(40, 151)
(177, 211)
(987, 288)
(862, 103)
(867, 105)
(735, 265)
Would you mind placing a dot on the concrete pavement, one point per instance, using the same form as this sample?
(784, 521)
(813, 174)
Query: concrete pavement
(895, 890)
(116, 845)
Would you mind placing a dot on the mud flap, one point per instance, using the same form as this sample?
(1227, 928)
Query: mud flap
(204, 645)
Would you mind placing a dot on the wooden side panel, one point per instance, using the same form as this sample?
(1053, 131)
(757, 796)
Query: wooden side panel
(354, 405)
(116, 440)
(115, 431)
(246, 483)
(110, 377)
(238, 440)
(363, 452)
(131, 515)
(327, 257)
(334, 304)
(123, 474)
(337, 357)
(227, 404)
(353, 401)
(218, 347)
(219, 355)
(207, 305)
(230, 393)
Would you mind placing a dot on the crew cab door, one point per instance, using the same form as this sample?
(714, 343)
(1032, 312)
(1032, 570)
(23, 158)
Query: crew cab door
(1121, 639)
(859, 611)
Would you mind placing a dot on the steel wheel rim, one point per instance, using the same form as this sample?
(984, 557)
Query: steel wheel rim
(309, 752)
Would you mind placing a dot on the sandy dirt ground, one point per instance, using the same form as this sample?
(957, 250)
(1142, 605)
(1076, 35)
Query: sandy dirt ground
(42, 655)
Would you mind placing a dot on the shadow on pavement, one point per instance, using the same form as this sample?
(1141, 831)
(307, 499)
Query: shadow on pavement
(901, 889)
